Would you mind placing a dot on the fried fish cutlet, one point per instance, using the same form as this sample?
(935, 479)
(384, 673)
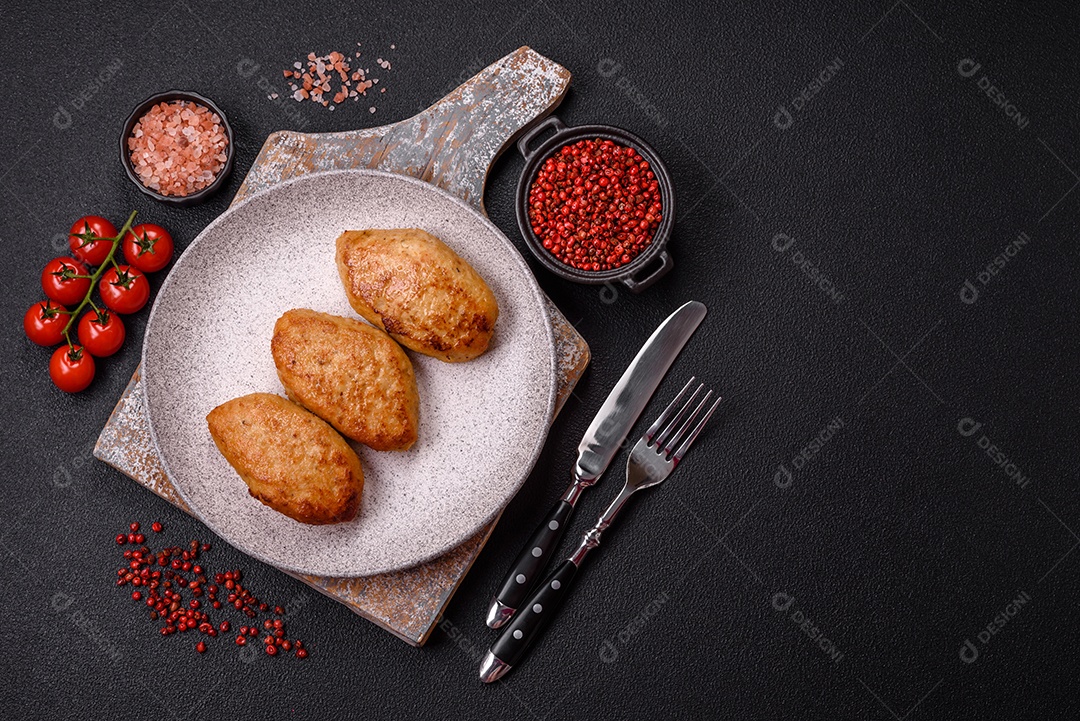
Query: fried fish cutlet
(350, 374)
(416, 288)
(290, 460)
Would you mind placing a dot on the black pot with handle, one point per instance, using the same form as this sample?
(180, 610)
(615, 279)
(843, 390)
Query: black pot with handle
(644, 270)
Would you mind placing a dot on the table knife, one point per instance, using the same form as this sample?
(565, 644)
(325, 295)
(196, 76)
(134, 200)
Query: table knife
(604, 437)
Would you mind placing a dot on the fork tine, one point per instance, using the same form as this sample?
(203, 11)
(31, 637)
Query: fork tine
(694, 434)
(674, 423)
(675, 438)
(668, 412)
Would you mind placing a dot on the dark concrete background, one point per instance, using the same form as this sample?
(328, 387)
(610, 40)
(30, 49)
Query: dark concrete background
(900, 540)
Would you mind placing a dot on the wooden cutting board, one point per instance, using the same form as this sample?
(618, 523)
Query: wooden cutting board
(452, 145)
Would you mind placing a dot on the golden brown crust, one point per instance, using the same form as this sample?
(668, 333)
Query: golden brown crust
(413, 286)
(290, 460)
(350, 374)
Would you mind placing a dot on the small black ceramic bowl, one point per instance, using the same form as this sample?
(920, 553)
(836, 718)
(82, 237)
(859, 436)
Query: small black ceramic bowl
(168, 97)
(637, 275)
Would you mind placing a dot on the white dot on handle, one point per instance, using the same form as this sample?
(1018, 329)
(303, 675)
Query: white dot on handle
(537, 608)
(518, 634)
(520, 578)
(538, 552)
(554, 525)
(556, 585)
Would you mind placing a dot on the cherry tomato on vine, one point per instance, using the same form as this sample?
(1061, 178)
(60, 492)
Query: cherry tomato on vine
(71, 368)
(101, 332)
(44, 323)
(83, 235)
(148, 247)
(124, 291)
(60, 282)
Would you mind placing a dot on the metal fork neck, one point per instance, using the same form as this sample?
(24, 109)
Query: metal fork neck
(591, 539)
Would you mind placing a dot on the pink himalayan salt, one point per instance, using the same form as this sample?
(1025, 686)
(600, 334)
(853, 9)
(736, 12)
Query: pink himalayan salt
(178, 148)
(317, 80)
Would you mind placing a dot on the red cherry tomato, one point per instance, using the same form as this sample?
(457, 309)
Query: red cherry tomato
(101, 332)
(148, 247)
(125, 291)
(83, 239)
(60, 283)
(44, 323)
(71, 369)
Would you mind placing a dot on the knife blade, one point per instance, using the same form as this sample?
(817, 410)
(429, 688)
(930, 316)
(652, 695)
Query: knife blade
(602, 440)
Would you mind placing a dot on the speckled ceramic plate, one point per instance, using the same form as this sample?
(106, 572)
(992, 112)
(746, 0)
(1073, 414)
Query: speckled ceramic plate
(482, 423)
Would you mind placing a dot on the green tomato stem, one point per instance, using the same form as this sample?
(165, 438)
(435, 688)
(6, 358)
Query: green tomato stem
(97, 275)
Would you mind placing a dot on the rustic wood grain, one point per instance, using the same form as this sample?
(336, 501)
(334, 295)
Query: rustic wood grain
(452, 145)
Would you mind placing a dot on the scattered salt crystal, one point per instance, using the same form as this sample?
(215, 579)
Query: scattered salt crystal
(371, 109)
(321, 70)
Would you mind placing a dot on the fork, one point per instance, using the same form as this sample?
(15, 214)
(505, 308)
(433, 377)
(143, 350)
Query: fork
(652, 460)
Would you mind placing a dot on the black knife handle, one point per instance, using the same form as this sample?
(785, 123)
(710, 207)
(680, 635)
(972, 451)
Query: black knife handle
(537, 610)
(533, 559)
